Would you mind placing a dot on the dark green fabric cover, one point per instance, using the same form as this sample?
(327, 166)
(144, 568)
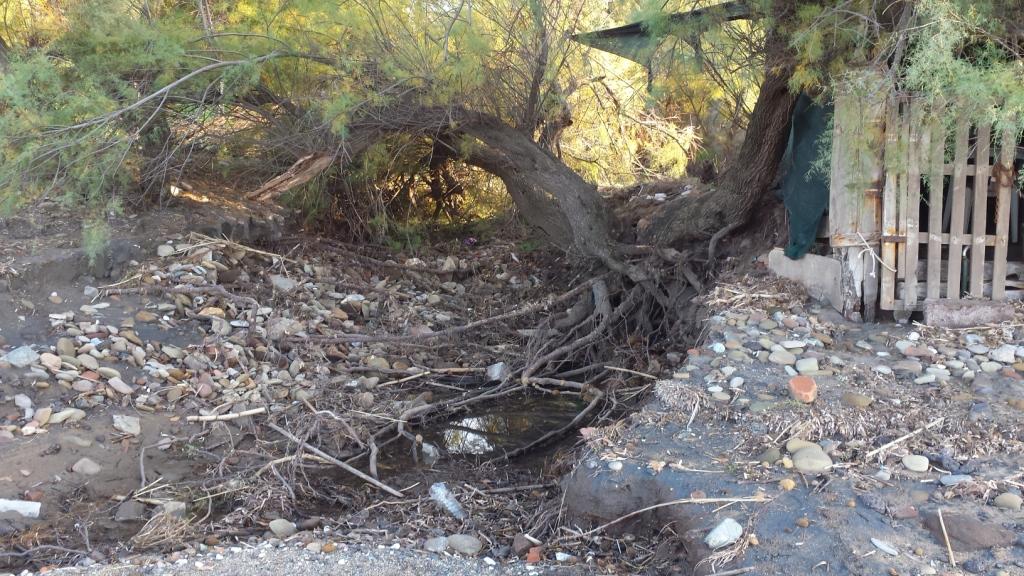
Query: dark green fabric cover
(805, 196)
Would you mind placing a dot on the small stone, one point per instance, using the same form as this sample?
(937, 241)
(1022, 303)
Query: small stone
(727, 532)
(119, 386)
(915, 463)
(50, 361)
(991, 367)
(803, 522)
(66, 347)
(917, 352)
(164, 250)
(88, 362)
(615, 465)
(904, 512)
(926, 379)
(855, 400)
(770, 456)
(365, 400)
(791, 344)
(1008, 501)
(282, 283)
(811, 460)
(883, 369)
(721, 396)
(21, 357)
(130, 511)
(282, 528)
(465, 544)
(1005, 354)
(782, 357)
(377, 363)
(174, 508)
(146, 317)
(907, 367)
(436, 545)
(90, 292)
(521, 545)
(803, 389)
(534, 556)
(807, 365)
(86, 467)
(794, 444)
(127, 424)
(108, 372)
(67, 415)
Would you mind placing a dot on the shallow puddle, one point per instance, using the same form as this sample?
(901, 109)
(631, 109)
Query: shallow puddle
(499, 429)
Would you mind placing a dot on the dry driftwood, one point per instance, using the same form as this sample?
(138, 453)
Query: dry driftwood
(303, 170)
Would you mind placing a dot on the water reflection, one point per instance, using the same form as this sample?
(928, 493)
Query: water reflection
(507, 428)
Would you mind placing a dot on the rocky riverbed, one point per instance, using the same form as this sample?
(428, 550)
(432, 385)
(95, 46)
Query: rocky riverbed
(794, 442)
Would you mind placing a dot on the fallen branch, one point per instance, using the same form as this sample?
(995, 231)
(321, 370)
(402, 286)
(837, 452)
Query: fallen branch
(191, 290)
(335, 461)
(530, 309)
(303, 170)
(945, 537)
(886, 446)
(628, 371)
(228, 416)
(406, 379)
(602, 527)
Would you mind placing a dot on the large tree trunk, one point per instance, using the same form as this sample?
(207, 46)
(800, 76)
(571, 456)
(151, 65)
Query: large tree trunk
(550, 195)
(735, 192)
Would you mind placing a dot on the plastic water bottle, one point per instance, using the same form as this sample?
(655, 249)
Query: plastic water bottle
(439, 493)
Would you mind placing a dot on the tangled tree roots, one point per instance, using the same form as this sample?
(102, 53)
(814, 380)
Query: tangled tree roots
(572, 350)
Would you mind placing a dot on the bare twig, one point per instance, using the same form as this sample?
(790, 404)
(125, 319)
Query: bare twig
(888, 445)
(602, 527)
(945, 537)
(628, 371)
(228, 416)
(334, 460)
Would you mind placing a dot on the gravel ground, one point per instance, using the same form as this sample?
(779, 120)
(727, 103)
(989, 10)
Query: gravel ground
(346, 560)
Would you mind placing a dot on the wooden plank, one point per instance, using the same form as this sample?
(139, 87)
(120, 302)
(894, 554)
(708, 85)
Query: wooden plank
(857, 141)
(916, 149)
(980, 210)
(906, 145)
(1004, 184)
(956, 222)
(926, 238)
(936, 183)
(889, 211)
(855, 197)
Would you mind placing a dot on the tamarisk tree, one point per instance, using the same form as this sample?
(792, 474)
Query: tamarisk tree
(104, 98)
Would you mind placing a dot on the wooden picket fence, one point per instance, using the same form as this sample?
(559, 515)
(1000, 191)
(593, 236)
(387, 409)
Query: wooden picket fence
(963, 244)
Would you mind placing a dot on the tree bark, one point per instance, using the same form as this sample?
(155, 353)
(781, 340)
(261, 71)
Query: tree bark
(740, 185)
(738, 188)
(550, 195)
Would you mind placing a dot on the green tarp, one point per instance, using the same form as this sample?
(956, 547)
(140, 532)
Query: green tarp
(804, 192)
